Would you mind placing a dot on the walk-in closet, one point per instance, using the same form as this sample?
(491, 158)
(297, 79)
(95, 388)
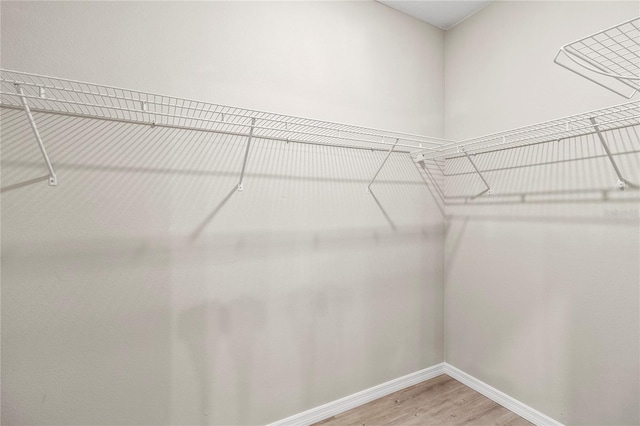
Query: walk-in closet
(310, 212)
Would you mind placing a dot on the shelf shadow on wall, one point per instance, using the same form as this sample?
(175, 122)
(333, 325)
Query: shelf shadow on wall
(249, 245)
(557, 183)
(574, 171)
(384, 212)
(112, 154)
(173, 175)
(19, 185)
(549, 260)
(433, 177)
(137, 207)
(200, 228)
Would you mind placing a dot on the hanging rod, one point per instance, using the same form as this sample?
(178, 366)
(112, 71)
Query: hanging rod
(57, 96)
(197, 129)
(91, 89)
(537, 142)
(280, 133)
(575, 122)
(108, 102)
(610, 58)
(144, 107)
(615, 117)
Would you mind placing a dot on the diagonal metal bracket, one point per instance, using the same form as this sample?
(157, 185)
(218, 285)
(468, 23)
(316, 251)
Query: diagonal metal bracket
(381, 166)
(53, 179)
(486, 191)
(246, 155)
(622, 182)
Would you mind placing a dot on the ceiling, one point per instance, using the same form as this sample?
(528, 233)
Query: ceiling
(442, 14)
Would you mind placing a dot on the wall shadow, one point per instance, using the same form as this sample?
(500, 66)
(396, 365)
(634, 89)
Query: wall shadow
(542, 275)
(143, 270)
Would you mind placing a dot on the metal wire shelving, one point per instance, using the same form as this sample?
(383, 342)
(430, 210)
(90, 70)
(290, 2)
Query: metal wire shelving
(609, 58)
(597, 122)
(51, 95)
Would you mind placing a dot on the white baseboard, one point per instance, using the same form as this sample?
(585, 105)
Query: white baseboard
(355, 400)
(520, 408)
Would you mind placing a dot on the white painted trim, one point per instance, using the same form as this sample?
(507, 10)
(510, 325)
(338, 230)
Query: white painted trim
(355, 400)
(520, 408)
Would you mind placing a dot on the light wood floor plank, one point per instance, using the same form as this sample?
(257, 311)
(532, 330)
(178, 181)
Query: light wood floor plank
(439, 401)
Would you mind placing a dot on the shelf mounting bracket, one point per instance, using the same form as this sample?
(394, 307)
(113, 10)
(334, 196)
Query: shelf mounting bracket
(246, 155)
(622, 182)
(486, 191)
(53, 179)
(381, 166)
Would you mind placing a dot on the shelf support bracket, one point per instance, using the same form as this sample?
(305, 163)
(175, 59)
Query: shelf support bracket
(622, 182)
(381, 166)
(486, 191)
(53, 179)
(246, 155)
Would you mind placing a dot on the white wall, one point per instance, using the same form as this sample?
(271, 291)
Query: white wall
(541, 295)
(349, 61)
(144, 290)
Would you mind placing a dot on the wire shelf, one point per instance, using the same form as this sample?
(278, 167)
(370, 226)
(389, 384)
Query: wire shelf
(36, 93)
(615, 117)
(75, 98)
(609, 58)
